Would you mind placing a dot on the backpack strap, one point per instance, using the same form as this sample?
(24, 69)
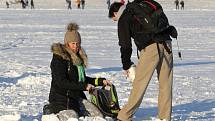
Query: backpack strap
(144, 7)
(113, 96)
(151, 4)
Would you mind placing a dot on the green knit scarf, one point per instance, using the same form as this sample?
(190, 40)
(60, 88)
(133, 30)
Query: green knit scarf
(81, 72)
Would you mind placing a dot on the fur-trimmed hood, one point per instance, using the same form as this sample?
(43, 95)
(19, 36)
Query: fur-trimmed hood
(62, 51)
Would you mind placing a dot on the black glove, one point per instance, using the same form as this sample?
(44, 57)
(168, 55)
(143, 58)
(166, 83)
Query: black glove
(172, 32)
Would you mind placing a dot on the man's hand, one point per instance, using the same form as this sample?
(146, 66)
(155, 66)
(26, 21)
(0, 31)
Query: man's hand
(126, 73)
(130, 73)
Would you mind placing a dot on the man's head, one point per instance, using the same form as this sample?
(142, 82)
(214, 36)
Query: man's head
(114, 8)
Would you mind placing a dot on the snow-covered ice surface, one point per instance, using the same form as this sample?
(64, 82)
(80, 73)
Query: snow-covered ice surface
(26, 37)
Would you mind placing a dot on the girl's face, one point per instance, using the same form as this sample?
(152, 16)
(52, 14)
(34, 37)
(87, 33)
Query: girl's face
(74, 46)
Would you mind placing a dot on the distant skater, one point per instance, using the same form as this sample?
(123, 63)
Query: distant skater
(82, 4)
(182, 5)
(7, 4)
(26, 2)
(23, 4)
(78, 4)
(69, 4)
(176, 4)
(108, 4)
(32, 4)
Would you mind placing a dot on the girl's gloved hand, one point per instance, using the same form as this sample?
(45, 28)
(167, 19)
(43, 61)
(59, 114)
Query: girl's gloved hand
(89, 87)
(107, 82)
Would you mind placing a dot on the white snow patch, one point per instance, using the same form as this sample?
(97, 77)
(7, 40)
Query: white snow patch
(10, 117)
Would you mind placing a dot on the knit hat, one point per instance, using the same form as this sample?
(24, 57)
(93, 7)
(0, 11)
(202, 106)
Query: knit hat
(72, 34)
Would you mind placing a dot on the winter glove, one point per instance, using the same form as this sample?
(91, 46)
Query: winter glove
(130, 73)
(107, 82)
(89, 87)
(172, 32)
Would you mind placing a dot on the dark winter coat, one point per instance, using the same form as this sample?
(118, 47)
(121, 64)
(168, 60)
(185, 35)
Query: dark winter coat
(128, 28)
(65, 87)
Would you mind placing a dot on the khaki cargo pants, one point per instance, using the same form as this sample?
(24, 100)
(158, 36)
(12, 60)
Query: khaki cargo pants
(152, 58)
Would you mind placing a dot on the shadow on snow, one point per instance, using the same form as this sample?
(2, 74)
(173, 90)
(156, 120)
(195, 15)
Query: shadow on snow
(31, 118)
(108, 69)
(180, 112)
(196, 110)
(97, 70)
(13, 80)
(194, 63)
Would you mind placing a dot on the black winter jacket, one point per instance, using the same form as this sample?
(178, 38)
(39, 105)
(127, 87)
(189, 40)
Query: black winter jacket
(65, 84)
(129, 28)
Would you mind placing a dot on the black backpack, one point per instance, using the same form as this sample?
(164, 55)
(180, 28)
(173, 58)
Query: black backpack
(149, 14)
(106, 100)
(151, 18)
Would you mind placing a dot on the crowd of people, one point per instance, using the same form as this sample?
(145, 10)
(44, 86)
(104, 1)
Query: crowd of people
(80, 4)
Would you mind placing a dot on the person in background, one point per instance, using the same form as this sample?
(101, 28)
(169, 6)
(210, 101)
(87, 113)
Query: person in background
(155, 54)
(78, 4)
(32, 4)
(7, 4)
(23, 4)
(69, 4)
(26, 2)
(176, 4)
(108, 3)
(82, 4)
(69, 80)
(182, 5)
